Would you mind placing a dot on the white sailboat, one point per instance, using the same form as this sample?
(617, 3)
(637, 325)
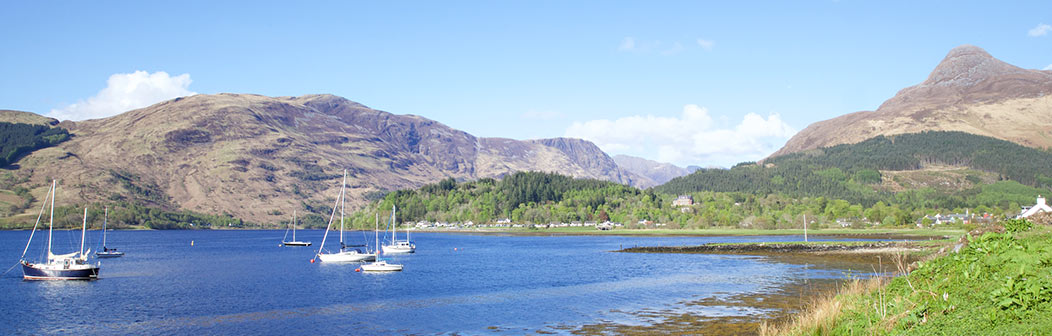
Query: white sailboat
(398, 246)
(344, 254)
(293, 242)
(70, 266)
(106, 251)
(380, 265)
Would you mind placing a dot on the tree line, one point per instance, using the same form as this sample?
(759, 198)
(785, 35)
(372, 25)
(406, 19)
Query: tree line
(17, 140)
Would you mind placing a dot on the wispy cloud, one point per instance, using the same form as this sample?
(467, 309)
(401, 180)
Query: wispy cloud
(692, 138)
(632, 45)
(1049, 67)
(706, 44)
(542, 115)
(673, 49)
(127, 91)
(628, 44)
(1040, 30)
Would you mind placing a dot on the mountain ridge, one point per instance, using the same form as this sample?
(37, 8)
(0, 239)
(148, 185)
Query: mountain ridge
(969, 91)
(254, 157)
(655, 173)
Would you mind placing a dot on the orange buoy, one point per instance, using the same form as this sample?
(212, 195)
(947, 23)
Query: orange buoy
(312, 261)
(357, 269)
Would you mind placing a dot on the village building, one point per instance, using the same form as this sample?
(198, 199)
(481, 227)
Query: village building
(940, 219)
(1036, 209)
(683, 200)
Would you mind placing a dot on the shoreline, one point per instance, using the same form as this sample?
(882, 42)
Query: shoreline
(883, 258)
(783, 248)
(888, 234)
(777, 305)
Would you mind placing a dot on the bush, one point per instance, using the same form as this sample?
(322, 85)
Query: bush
(1017, 225)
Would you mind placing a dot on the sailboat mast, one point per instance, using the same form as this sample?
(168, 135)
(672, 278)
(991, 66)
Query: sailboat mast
(394, 228)
(83, 231)
(329, 226)
(343, 190)
(43, 206)
(293, 225)
(51, 221)
(105, 219)
(376, 233)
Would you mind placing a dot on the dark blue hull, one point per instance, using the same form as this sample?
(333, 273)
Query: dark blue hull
(109, 254)
(31, 272)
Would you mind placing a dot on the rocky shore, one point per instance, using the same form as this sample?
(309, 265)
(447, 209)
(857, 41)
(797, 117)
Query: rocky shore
(781, 248)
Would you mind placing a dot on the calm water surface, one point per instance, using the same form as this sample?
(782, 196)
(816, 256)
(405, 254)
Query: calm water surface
(242, 282)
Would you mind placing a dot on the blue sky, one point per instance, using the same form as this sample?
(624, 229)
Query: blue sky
(737, 78)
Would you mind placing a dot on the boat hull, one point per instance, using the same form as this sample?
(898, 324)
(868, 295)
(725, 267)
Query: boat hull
(381, 267)
(296, 243)
(352, 256)
(399, 249)
(58, 272)
(109, 254)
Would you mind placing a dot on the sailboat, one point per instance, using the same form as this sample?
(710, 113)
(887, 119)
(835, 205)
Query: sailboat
(106, 251)
(345, 254)
(294, 242)
(70, 266)
(380, 265)
(398, 246)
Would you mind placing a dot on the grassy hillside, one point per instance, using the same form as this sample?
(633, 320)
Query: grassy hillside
(998, 284)
(857, 172)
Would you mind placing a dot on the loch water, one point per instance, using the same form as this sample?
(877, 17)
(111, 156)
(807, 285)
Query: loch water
(243, 282)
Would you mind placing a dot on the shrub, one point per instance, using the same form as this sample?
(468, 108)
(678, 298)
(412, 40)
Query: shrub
(1017, 225)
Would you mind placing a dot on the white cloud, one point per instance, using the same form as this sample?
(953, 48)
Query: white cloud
(706, 44)
(127, 91)
(542, 115)
(1049, 67)
(1040, 30)
(628, 44)
(693, 138)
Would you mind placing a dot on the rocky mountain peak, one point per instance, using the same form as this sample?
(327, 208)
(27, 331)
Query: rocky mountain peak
(969, 91)
(968, 65)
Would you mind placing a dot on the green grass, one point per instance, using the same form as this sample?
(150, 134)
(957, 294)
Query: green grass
(1000, 284)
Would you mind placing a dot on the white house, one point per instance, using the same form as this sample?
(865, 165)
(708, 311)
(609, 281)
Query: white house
(1037, 208)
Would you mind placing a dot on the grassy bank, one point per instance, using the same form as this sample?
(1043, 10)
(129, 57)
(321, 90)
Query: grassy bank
(996, 284)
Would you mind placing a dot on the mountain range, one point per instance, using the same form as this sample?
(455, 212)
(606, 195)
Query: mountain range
(255, 157)
(651, 173)
(258, 157)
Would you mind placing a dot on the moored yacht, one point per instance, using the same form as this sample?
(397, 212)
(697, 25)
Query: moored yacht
(396, 246)
(70, 266)
(293, 242)
(345, 253)
(106, 251)
(380, 265)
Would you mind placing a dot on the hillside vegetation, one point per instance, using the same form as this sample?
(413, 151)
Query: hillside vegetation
(853, 172)
(17, 140)
(998, 284)
(541, 198)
